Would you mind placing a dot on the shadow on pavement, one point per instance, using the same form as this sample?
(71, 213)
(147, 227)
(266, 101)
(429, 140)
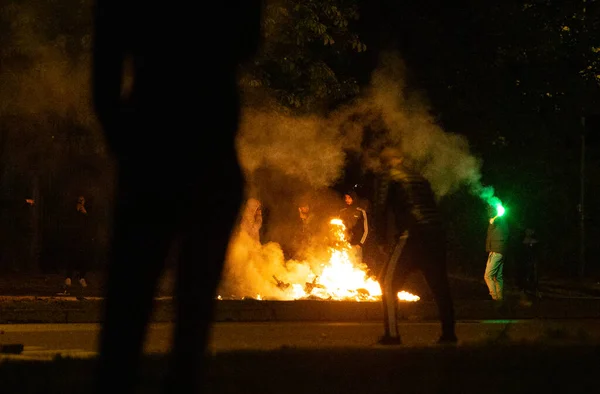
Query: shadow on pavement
(510, 368)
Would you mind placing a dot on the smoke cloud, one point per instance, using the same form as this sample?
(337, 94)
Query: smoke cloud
(443, 158)
(305, 153)
(313, 149)
(308, 148)
(45, 97)
(51, 146)
(253, 269)
(41, 77)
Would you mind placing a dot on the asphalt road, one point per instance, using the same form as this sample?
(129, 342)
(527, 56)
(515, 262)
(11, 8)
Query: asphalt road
(45, 341)
(498, 357)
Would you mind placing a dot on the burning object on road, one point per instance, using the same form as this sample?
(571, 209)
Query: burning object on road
(338, 277)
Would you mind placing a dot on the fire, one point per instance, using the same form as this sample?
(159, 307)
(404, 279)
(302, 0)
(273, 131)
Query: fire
(406, 296)
(341, 278)
(336, 274)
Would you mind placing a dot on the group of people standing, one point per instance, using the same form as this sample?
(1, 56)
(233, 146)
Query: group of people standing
(66, 244)
(400, 230)
(409, 233)
(404, 232)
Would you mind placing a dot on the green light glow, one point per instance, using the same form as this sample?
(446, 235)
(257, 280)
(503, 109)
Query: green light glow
(500, 210)
(487, 194)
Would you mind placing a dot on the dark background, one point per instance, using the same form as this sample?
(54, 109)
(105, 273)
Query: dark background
(514, 78)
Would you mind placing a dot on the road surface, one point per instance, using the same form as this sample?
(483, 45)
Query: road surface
(45, 341)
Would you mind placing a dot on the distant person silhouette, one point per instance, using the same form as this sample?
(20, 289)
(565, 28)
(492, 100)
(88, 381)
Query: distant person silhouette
(172, 132)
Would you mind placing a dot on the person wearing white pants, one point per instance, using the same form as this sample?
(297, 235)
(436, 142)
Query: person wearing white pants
(495, 245)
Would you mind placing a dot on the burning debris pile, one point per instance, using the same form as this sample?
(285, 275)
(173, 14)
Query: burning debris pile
(340, 278)
(283, 154)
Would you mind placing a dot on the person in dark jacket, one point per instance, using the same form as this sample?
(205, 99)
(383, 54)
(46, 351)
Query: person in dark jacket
(419, 243)
(79, 245)
(356, 222)
(495, 244)
(527, 278)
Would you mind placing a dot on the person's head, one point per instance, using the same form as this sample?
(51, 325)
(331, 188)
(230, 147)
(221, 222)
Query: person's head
(391, 157)
(81, 200)
(303, 208)
(350, 197)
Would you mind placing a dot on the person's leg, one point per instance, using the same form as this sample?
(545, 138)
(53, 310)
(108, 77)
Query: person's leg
(205, 240)
(141, 239)
(492, 269)
(535, 279)
(489, 279)
(83, 266)
(432, 260)
(393, 277)
(70, 268)
(499, 276)
(437, 278)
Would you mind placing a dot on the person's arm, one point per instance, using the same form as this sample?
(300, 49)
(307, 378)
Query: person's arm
(365, 227)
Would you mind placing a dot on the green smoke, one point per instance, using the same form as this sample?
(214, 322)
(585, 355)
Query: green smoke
(487, 194)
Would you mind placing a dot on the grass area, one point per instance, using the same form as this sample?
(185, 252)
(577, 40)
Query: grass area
(551, 366)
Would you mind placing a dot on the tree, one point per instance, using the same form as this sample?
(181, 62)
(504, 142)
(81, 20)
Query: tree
(305, 61)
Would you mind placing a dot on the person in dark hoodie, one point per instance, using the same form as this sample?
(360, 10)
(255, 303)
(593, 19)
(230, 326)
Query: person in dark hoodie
(527, 273)
(415, 241)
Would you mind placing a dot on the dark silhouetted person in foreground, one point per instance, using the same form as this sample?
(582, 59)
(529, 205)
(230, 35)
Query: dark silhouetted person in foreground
(172, 132)
(418, 243)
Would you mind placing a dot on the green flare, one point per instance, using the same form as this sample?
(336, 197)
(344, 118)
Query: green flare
(487, 194)
(500, 210)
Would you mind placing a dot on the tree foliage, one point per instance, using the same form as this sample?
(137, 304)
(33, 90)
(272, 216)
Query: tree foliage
(309, 46)
(516, 78)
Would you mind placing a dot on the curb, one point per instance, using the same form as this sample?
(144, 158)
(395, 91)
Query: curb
(89, 311)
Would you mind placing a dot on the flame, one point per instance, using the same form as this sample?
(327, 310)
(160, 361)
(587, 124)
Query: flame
(338, 275)
(406, 296)
(342, 278)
